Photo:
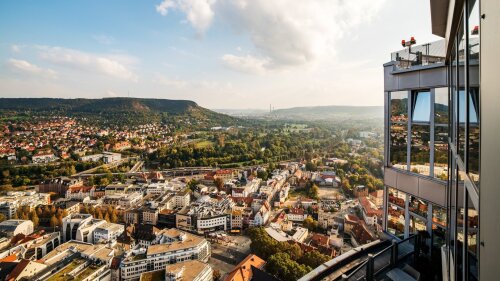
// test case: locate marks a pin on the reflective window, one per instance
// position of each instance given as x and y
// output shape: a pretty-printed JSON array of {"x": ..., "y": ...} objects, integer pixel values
[
  {"x": 398, "y": 152},
  {"x": 397, "y": 197},
  {"x": 421, "y": 107},
  {"x": 441, "y": 106},
  {"x": 420, "y": 150},
  {"x": 461, "y": 93},
  {"x": 473, "y": 67},
  {"x": 441, "y": 119},
  {"x": 417, "y": 224},
  {"x": 399, "y": 106},
  {"x": 396, "y": 220},
  {"x": 438, "y": 215},
  {"x": 441, "y": 152},
  {"x": 418, "y": 206}
]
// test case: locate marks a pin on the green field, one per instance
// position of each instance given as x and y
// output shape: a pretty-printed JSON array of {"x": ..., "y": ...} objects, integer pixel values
[{"x": 203, "y": 144}]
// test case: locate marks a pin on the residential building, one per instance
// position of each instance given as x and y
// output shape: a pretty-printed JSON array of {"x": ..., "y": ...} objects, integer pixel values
[
  {"x": 172, "y": 246},
  {"x": 34, "y": 246},
  {"x": 371, "y": 214},
  {"x": 11, "y": 228},
  {"x": 244, "y": 270},
  {"x": 79, "y": 192},
  {"x": 24, "y": 270},
  {"x": 58, "y": 185},
  {"x": 43, "y": 158},
  {"x": 108, "y": 232},
  {"x": 110, "y": 157},
  {"x": 206, "y": 215},
  {"x": 80, "y": 227},
  {"x": 296, "y": 214},
  {"x": 187, "y": 270},
  {"x": 182, "y": 199},
  {"x": 117, "y": 188}
]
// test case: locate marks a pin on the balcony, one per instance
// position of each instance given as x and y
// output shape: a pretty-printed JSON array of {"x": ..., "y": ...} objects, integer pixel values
[
  {"x": 419, "y": 56},
  {"x": 379, "y": 260}
]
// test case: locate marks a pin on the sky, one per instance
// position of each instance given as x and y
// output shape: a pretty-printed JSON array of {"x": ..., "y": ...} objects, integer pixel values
[{"x": 222, "y": 54}]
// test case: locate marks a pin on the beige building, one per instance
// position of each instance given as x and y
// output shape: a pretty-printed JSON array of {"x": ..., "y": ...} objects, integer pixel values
[{"x": 11, "y": 228}]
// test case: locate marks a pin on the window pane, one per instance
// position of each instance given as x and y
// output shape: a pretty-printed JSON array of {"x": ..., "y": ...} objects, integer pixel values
[
  {"x": 473, "y": 67},
  {"x": 420, "y": 152},
  {"x": 438, "y": 215},
  {"x": 418, "y": 206},
  {"x": 472, "y": 242},
  {"x": 461, "y": 94},
  {"x": 399, "y": 106},
  {"x": 397, "y": 197},
  {"x": 441, "y": 106},
  {"x": 417, "y": 224},
  {"x": 474, "y": 129},
  {"x": 421, "y": 107},
  {"x": 399, "y": 134},
  {"x": 441, "y": 152},
  {"x": 396, "y": 220}
]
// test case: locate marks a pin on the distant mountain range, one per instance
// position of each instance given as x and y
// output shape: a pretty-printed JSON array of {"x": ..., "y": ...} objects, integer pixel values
[
  {"x": 337, "y": 112},
  {"x": 115, "y": 110}
]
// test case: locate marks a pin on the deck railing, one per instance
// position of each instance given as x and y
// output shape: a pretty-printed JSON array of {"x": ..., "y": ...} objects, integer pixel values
[{"x": 385, "y": 259}]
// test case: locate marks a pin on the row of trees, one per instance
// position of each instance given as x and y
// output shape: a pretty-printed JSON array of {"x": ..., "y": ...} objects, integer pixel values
[
  {"x": 46, "y": 215},
  {"x": 284, "y": 260},
  {"x": 109, "y": 214},
  {"x": 244, "y": 146}
]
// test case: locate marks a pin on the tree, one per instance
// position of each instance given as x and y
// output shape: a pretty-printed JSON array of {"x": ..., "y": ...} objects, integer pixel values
[
  {"x": 282, "y": 266},
  {"x": 219, "y": 183},
  {"x": 314, "y": 191},
  {"x": 103, "y": 181},
  {"x": 2, "y": 217},
  {"x": 262, "y": 174},
  {"x": 54, "y": 221},
  {"x": 310, "y": 166},
  {"x": 114, "y": 216},
  {"x": 314, "y": 259},
  {"x": 106, "y": 217},
  {"x": 293, "y": 250},
  {"x": 310, "y": 223},
  {"x": 34, "y": 218}
]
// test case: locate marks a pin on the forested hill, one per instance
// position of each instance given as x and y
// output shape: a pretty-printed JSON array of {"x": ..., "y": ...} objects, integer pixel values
[
  {"x": 330, "y": 112},
  {"x": 119, "y": 111}
]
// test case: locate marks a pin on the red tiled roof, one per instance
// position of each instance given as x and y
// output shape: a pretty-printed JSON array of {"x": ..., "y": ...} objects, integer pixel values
[{"x": 243, "y": 271}]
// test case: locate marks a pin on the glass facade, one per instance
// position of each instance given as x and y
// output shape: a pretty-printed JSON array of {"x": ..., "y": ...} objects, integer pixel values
[
  {"x": 419, "y": 129},
  {"x": 464, "y": 179},
  {"x": 434, "y": 137}
]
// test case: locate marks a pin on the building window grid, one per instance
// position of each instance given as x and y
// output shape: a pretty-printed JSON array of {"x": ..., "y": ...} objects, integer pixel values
[
  {"x": 409, "y": 123},
  {"x": 466, "y": 264}
]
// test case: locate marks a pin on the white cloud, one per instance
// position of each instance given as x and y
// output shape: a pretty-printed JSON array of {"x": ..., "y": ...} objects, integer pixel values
[
  {"x": 22, "y": 66},
  {"x": 199, "y": 13},
  {"x": 164, "y": 6},
  {"x": 288, "y": 33},
  {"x": 247, "y": 64},
  {"x": 118, "y": 66}
]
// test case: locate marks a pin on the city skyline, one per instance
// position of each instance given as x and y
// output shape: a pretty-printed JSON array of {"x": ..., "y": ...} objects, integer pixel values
[{"x": 220, "y": 54}]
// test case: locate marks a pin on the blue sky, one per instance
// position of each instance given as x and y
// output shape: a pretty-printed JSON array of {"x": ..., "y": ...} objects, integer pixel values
[{"x": 219, "y": 53}]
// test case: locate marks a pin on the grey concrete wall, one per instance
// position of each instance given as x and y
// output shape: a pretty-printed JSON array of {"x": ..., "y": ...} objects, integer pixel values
[
  {"x": 427, "y": 188},
  {"x": 419, "y": 78}
]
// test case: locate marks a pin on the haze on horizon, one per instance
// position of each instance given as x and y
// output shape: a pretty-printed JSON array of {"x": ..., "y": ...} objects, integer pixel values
[{"x": 234, "y": 54}]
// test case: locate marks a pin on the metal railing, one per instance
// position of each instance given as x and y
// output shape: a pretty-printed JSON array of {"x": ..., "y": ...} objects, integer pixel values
[
  {"x": 385, "y": 259},
  {"x": 426, "y": 54}
]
